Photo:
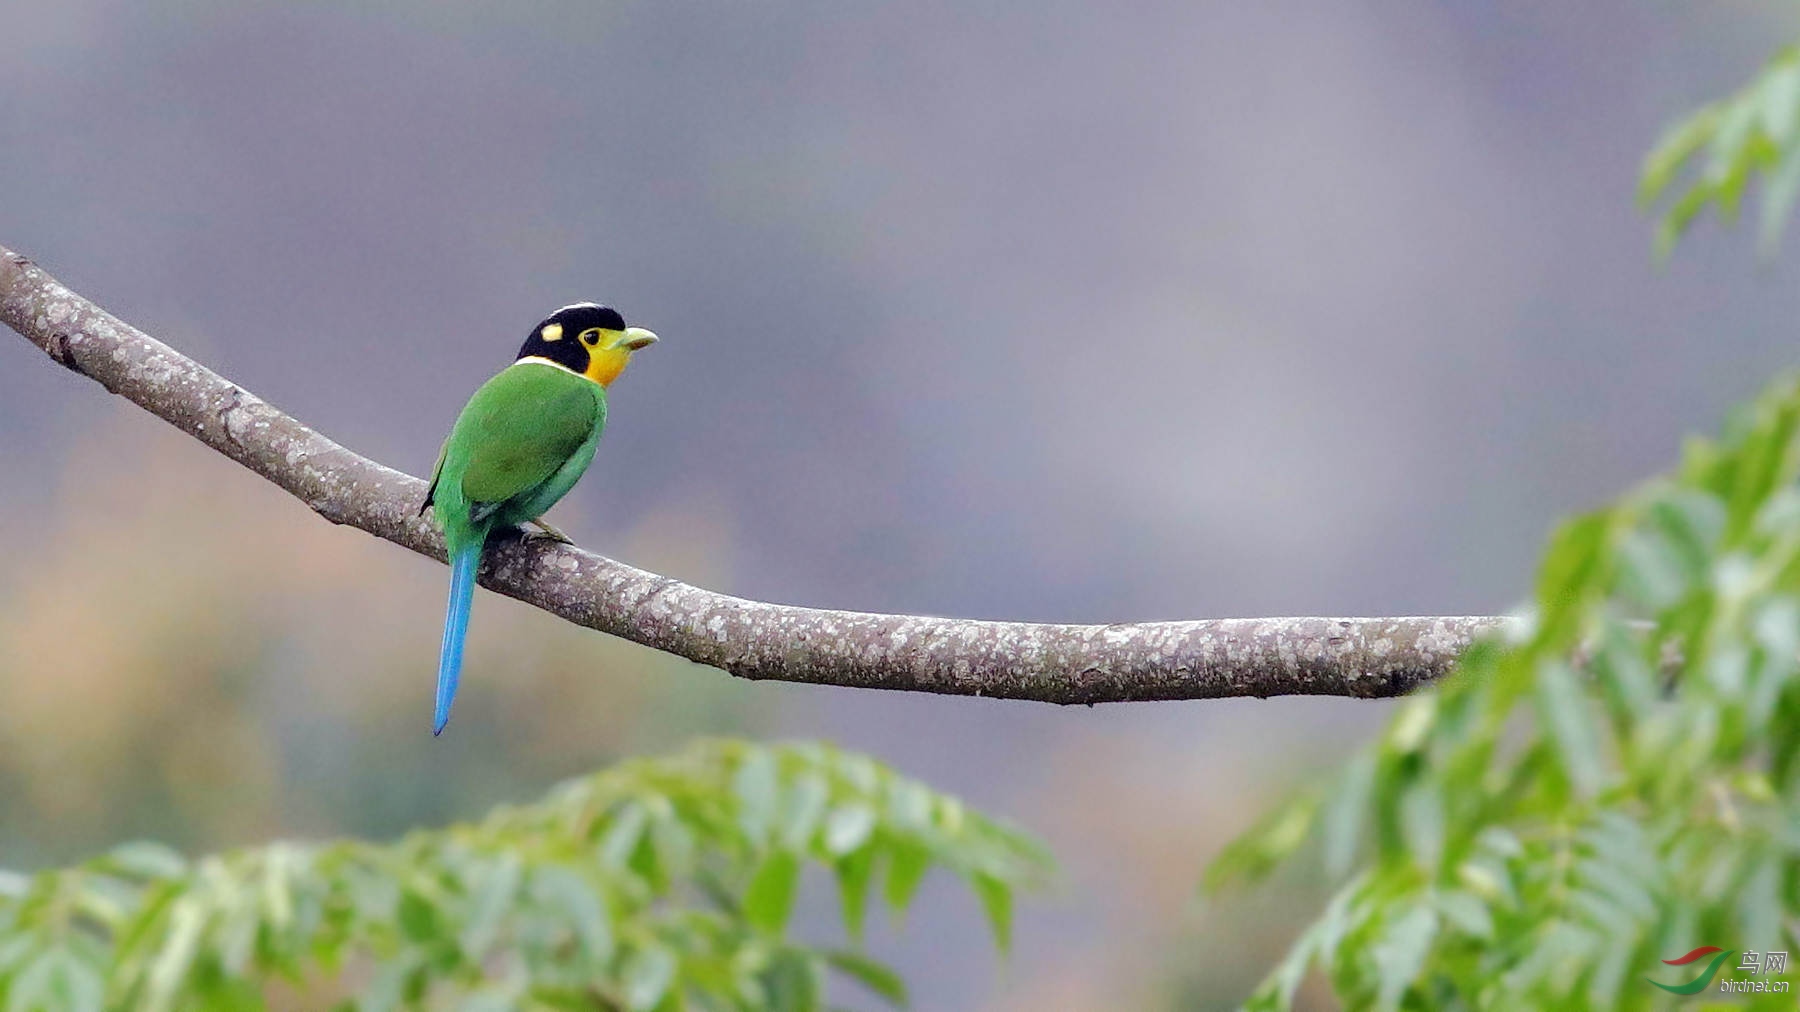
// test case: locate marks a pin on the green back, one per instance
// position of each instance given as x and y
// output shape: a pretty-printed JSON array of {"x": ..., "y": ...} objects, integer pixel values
[{"x": 518, "y": 430}]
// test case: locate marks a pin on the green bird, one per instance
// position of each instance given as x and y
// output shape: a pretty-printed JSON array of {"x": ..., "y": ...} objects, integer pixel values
[{"x": 519, "y": 445}]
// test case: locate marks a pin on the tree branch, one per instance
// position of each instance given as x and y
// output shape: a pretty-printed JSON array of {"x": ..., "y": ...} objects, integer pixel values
[{"x": 1369, "y": 657}]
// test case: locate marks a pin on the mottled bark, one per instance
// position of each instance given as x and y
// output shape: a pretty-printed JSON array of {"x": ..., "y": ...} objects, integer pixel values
[{"x": 1367, "y": 657}]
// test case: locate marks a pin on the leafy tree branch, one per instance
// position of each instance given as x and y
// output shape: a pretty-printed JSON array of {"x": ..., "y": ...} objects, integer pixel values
[
  {"x": 1711, "y": 156},
  {"x": 1528, "y": 835},
  {"x": 1524, "y": 835},
  {"x": 659, "y": 884},
  {"x": 1362, "y": 657}
]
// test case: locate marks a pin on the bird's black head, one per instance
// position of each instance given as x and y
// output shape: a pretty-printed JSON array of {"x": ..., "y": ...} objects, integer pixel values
[{"x": 588, "y": 339}]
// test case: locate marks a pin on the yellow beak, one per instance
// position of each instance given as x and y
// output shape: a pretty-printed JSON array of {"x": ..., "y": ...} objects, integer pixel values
[{"x": 637, "y": 339}]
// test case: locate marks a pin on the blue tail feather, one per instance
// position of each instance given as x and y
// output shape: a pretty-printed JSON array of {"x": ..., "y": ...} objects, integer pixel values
[{"x": 463, "y": 564}]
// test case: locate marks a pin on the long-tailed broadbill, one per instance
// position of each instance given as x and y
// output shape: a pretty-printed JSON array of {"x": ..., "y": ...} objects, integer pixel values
[{"x": 520, "y": 444}]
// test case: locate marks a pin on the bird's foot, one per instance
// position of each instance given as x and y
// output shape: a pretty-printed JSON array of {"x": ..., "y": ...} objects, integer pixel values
[{"x": 545, "y": 532}]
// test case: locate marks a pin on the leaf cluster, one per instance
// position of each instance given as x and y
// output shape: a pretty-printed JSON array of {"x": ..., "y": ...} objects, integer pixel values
[
  {"x": 1616, "y": 784},
  {"x": 1709, "y": 158},
  {"x": 659, "y": 884}
]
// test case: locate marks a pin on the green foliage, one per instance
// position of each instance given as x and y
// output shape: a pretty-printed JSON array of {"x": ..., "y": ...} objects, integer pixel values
[
  {"x": 1617, "y": 784},
  {"x": 1619, "y": 781},
  {"x": 659, "y": 884},
  {"x": 1709, "y": 158}
]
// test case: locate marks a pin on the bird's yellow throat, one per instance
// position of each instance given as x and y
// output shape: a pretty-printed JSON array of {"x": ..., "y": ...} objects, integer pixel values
[{"x": 605, "y": 364}]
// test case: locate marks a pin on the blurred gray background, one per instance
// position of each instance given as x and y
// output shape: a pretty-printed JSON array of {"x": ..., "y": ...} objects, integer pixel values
[{"x": 1063, "y": 312}]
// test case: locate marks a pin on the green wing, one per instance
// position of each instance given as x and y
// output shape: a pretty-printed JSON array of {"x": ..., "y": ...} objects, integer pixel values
[
  {"x": 520, "y": 428},
  {"x": 437, "y": 471}
]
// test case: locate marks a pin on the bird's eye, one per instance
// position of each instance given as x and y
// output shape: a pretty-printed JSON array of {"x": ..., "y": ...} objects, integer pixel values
[{"x": 590, "y": 337}]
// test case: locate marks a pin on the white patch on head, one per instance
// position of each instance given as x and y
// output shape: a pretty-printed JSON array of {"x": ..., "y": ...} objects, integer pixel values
[
  {"x": 537, "y": 360},
  {"x": 577, "y": 305},
  {"x": 551, "y": 332}
]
